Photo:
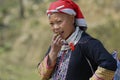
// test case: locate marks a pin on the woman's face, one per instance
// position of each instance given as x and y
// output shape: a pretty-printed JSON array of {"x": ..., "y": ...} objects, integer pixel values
[{"x": 62, "y": 24}]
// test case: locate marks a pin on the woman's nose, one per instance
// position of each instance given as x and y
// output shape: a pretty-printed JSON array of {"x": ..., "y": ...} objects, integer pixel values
[{"x": 56, "y": 26}]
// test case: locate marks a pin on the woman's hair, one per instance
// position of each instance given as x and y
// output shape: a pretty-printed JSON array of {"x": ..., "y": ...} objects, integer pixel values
[{"x": 83, "y": 28}]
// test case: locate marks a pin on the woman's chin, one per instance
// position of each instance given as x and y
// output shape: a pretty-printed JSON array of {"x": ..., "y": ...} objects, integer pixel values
[{"x": 65, "y": 37}]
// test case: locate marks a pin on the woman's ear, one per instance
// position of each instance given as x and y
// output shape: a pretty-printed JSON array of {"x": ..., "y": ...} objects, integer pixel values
[{"x": 72, "y": 19}]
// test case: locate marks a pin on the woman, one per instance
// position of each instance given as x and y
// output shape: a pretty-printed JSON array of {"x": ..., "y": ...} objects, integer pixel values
[{"x": 73, "y": 54}]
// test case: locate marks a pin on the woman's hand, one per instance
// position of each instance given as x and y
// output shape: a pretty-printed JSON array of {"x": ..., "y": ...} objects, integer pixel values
[{"x": 56, "y": 45}]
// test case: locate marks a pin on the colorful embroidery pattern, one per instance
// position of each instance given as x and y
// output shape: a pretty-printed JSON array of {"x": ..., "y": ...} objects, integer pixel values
[{"x": 62, "y": 65}]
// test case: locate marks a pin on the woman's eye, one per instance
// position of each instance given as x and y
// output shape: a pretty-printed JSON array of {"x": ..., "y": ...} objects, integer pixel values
[
  {"x": 51, "y": 24},
  {"x": 59, "y": 22}
]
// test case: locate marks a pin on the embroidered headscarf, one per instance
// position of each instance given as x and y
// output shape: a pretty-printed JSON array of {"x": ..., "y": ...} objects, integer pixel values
[{"x": 68, "y": 7}]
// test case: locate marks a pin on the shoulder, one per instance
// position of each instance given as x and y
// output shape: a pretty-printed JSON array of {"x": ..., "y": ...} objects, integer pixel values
[
  {"x": 89, "y": 42},
  {"x": 86, "y": 39}
]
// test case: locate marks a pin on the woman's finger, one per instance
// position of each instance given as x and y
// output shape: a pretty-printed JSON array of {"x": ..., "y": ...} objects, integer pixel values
[
  {"x": 54, "y": 36},
  {"x": 59, "y": 41},
  {"x": 57, "y": 38}
]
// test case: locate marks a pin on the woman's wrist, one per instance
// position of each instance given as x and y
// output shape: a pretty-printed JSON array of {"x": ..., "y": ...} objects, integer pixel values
[{"x": 52, "y": 58}]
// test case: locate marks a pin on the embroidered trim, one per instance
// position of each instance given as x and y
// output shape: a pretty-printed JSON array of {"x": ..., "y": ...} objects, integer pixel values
[
  {"x": 44, "y": 69},
  {"x": 105, "y": 74}
]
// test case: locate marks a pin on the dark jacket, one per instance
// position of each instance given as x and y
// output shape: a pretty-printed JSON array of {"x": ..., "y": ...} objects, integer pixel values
[{"x": 78, "y": 68}]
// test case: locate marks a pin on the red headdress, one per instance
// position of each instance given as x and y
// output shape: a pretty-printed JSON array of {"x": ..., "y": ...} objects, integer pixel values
[{"x": 68, "y": 7}]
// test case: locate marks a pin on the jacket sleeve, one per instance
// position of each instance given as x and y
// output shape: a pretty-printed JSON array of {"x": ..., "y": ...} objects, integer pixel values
[
  {"x": 44, "y": 68},
  {"x": 106, "y": 63}
]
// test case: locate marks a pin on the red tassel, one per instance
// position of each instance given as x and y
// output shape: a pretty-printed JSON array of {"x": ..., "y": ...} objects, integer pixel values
[{"x": 72, "y": 47}]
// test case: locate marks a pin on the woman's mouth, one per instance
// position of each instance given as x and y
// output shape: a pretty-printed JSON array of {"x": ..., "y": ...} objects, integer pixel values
[{"x": 61, "y": 33}]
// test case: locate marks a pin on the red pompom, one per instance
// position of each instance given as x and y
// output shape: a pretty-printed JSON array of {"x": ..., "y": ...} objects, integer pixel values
[{"x": 72, "y": 47}]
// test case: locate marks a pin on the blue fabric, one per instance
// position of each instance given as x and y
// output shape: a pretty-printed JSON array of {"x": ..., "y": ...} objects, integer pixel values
[{"x": 117, "y": 72}]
